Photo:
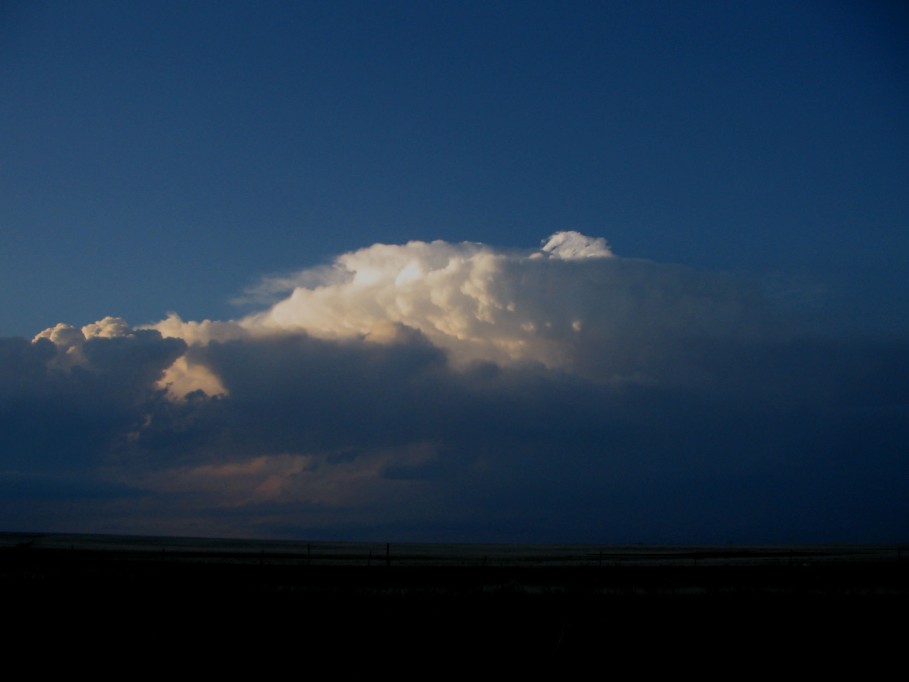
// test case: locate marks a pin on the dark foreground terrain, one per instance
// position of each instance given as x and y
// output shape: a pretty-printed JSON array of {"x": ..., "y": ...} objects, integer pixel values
[{"x": 228, "y": 605}]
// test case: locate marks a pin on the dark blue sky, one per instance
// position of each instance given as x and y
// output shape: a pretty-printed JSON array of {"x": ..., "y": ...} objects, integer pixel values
[
  {"x": 436, "y": 340},
  {"x": 163, "y": 156}
]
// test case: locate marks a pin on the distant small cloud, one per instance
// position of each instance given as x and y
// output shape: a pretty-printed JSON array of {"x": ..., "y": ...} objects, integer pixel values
[{"x": 572, "y": 245}]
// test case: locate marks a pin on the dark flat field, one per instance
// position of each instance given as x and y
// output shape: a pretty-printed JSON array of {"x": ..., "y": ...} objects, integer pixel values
[{"x": 533, "y": 602}]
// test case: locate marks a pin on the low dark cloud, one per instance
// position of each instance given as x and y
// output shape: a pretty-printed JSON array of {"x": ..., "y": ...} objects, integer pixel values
[
  {"x": 63, "y": 417},
  {"x": 800, "y": 442}
]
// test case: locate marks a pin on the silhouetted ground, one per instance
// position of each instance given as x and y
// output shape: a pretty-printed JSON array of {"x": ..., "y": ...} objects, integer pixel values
[{"x": 249, "y": 605}]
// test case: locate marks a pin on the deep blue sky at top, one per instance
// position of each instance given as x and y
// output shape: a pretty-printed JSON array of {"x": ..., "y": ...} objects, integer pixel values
[{"x": 163, "y": 155}]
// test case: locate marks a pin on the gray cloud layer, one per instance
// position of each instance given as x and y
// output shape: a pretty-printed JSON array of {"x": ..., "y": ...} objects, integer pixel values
[{"x": 527, "y": 397}]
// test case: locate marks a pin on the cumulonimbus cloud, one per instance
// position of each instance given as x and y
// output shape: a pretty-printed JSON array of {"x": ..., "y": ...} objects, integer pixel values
[
  {"x": 570, "y": 305},
  {"x": 467, "y": 298},
  {"x": 563, "y": 388},
  {"x": 556, "y": 305}
]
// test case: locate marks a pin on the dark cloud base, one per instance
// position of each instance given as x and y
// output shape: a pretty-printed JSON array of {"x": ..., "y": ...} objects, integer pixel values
[{"x": 790, "y": 441}]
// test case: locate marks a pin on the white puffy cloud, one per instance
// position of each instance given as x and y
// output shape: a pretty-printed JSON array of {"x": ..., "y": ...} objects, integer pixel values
[
  {"x": 108, "y": 328},
  {"x": 62, "y": 335},
  {"x": 70, "y": 340},
  {"x": 195, "y": 333},
  {"x": 557, "y": 305}
]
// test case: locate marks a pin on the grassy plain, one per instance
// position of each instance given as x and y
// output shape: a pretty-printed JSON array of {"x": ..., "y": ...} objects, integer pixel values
[{"x": 265, "y": 601}]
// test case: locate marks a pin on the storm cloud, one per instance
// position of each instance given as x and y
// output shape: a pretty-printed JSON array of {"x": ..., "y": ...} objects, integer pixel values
[{"x": 440, "y": 391}]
